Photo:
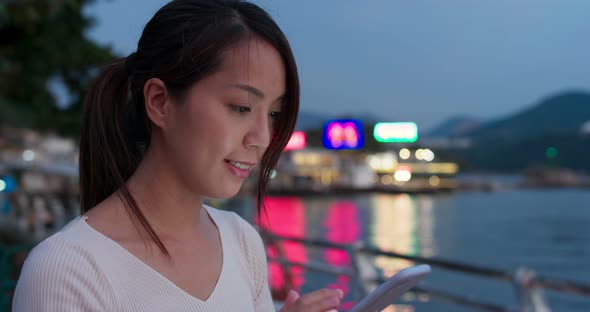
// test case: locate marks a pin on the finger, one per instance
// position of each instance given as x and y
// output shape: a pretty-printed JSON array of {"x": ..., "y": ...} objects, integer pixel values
[
  {"x": 321, "y": 300},
  {"x": 289, "y": 304},
  {"x": 291, "y": 297},
  {"x": 329, "y": 304},
  {"x": 324, "y": 293}
]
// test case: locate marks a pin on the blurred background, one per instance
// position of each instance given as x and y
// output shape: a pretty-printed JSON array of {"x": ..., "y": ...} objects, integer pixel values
[{"x": 453, "y": 133}]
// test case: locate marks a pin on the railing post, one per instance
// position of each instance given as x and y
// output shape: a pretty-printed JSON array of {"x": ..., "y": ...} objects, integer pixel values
[
  {"x": 359, "y": 288},
  {"x": 530, "y": 297}
]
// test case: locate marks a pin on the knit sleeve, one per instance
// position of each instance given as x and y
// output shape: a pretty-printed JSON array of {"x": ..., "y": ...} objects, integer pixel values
[
  {"x": 255, "y": 254},
  {"x": 60, "y": 276}
]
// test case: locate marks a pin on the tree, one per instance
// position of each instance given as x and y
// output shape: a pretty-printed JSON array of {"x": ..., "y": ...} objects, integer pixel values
[{"x": 44, "y": 41}]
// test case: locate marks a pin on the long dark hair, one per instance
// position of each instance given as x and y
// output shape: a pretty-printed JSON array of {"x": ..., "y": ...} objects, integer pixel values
[{"x": 182, "y": 44}]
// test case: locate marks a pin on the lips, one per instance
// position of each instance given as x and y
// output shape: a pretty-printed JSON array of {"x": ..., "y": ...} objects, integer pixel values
[
  {"x": 240, "y": 169},
  {"x": 241, "y": 164}
]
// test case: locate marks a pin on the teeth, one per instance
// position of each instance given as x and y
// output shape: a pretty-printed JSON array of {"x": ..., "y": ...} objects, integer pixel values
[{"x": 239, "y": 165}]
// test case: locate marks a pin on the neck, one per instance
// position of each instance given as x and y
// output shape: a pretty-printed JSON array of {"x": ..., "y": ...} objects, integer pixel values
[{"x": 173, "y": 210}]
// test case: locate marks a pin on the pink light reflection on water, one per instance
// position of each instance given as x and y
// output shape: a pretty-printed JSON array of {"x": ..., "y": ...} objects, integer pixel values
[
  {"x": 342, "y": 227},
  {"x": 286, "y": 217}
]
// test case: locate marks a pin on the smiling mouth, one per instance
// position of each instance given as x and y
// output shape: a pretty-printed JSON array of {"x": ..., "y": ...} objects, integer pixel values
[{"x": 240, "y": 165}]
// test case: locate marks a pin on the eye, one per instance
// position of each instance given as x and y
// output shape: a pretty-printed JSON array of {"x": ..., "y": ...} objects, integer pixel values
[{"x": 240, "y": 109}]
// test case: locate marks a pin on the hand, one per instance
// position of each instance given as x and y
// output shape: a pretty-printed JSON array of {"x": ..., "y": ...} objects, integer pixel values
[{"x": 323, "y": 300}]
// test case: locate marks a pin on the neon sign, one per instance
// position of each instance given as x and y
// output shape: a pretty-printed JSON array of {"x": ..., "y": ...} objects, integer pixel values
[
  {"x": 343, "y": 134},
  {"x": 395, "y": 132}
]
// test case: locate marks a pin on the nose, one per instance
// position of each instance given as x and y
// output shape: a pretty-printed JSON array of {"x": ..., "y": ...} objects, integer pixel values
[{"x": 258, "y": 135}]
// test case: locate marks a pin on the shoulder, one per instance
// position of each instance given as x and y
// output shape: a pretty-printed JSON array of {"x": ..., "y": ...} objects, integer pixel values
[
  {"x": 63, "y": 249},
  {"x": 245, "y": 232},
  {"x": 58, "y": 272}
]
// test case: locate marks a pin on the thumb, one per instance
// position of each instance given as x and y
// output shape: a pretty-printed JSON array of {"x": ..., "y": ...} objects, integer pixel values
[{"x": 291, "y": 297}]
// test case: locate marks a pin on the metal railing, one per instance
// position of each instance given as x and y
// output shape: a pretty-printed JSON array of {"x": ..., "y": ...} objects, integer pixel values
[{"x": 528, "y": 285}]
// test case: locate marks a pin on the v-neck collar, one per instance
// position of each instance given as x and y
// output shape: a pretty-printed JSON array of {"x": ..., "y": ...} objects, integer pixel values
[{"x": 123, "y": 250}]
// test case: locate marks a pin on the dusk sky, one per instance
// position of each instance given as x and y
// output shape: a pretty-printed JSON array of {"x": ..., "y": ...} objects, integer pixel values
[{"x": 421, "y": 61}]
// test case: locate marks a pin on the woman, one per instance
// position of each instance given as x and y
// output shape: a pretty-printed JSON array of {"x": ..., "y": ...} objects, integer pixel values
[{"x": 211, "y": 93}]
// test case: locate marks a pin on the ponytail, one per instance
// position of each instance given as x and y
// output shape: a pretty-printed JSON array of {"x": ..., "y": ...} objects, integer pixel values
[{"x": 114, "y": 136}]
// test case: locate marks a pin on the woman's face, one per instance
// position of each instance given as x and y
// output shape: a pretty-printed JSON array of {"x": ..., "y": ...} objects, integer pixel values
[{"x": 223, "y": 125}]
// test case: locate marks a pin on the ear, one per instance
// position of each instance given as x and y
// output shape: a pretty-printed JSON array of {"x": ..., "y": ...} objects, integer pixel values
[{"x": 157, "y": 102}]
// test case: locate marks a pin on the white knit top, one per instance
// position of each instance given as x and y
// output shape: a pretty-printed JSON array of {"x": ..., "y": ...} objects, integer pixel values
[{"x": 80, "y": 269}]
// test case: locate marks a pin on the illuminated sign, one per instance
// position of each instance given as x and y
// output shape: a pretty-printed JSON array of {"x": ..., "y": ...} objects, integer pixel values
[
  {"x": 389, "y": 132},
  {"x": 343, "y": 134},
  {"x": 297, "y": 141}
]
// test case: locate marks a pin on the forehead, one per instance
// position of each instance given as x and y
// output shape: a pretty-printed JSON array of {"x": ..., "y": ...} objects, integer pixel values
[{"x": 254, "y": 62}]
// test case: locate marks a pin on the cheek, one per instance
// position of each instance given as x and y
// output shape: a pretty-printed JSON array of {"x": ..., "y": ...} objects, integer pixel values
[
  {"x": 186, "y": 137},
  {"x": 207, "y": 133},
  {"x": 211, "y": 137}
]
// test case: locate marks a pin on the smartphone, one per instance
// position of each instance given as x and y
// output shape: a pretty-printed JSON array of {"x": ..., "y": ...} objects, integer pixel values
[{"x": 392, "y": 288}]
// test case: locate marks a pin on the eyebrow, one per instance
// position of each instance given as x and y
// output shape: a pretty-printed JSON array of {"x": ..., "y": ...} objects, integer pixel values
[{"x": 250, "y": 89}]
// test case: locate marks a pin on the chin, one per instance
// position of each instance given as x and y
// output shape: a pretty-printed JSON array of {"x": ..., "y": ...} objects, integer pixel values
[{"x": 225, "y": 193}]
